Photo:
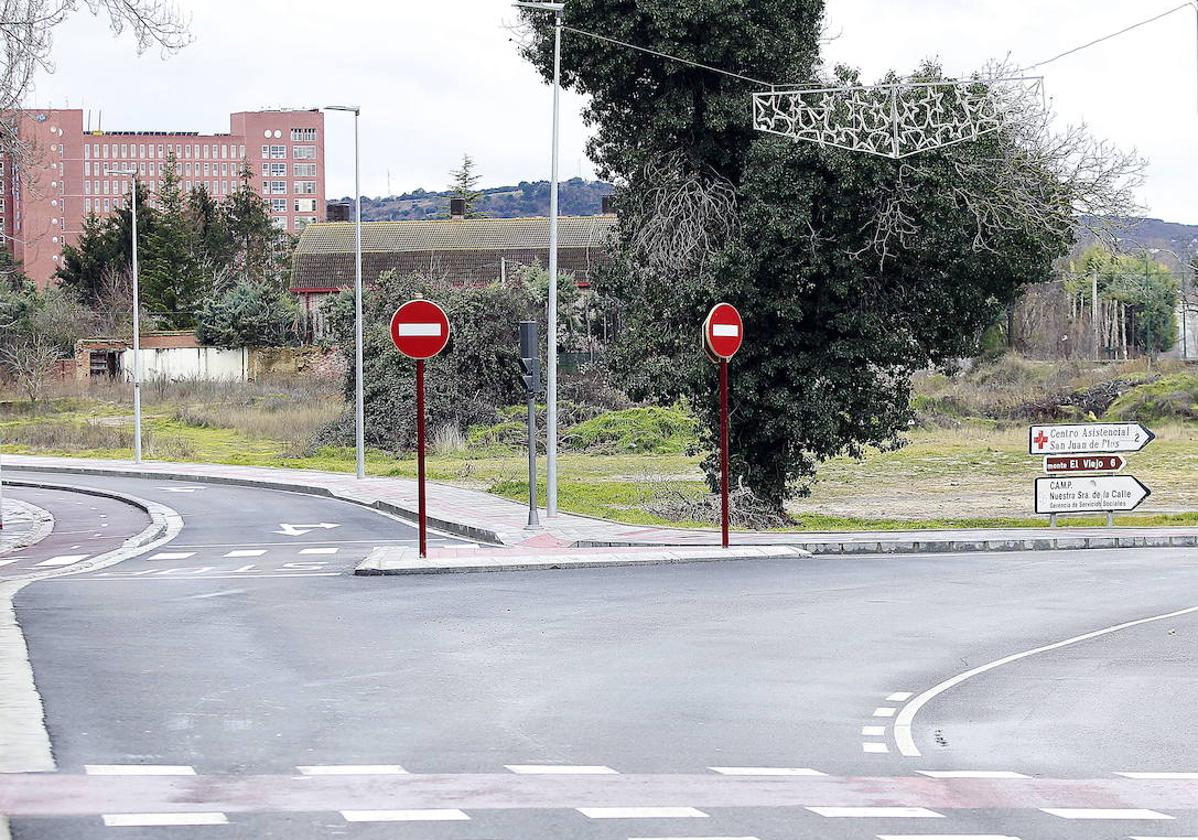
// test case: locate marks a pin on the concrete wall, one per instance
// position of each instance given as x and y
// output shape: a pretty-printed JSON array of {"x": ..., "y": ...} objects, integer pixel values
[
  {"x": 1187, "y": 334},
  {"x": 175, "y": 363}
]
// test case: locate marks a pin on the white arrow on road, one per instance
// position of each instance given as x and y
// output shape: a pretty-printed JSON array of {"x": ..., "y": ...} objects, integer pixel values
[{"x": 289, "y": 530}]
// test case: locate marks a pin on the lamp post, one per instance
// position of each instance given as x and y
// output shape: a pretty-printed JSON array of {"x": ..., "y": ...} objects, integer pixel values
[
  {"x": 359, "y": 403},
  {"x": 136, "y": 322},
  {"x": 551, "y": 377}
]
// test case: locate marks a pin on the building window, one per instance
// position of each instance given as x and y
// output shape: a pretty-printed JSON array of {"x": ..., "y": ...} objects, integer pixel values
[
  {"x": 303, "y": 152},
  {"x": 187, "y": 185},
  {"x": 187, "y": 151},
  {"x": 141, "y": 167},
  {"x": 87, "y": 205},
  {"x": 278, "y": 187},
  {"x": 141, "y": 150},
  {"x": 303, "y": 135},
  {"x": 178, "y": 150},
  {"x": 105, "y": 151},
  {"x": 106, "y": 185},
  {"x": 87, "y": 151},
  {"x": 305, "y": 170},
  {"x": 278, "y": 152},
  {"x": 124, "y": 150},
  {"x": 265, "y": 152},
  {"x": 87, "y": 168},
  {"x": 278, "y": 205},
  {"x": 278, "y": 170},
  {"x": 305, "y": 205},
  {"x": 305, "y": 188},
  {"x": 279, "y": 222},
  {"x": 107, "y": 204},
  {"x": 302, "y": 222},
  {"x": 241, "y": 154},
  {"x": 206, "y": 172}
]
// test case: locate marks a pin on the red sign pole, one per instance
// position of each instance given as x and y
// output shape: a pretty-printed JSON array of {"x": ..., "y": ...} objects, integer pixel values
[
  {"x": 724, "y": 451},
  {"x": 420, "y": 453}
]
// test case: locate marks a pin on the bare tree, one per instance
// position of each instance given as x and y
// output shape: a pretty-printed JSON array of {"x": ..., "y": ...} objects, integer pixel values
[
  {"x": 30, "y": 363},
  {"x": 27, "y": 42}
]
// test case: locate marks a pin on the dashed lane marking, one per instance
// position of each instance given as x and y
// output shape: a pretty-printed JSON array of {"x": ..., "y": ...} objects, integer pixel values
[
  {"x": 64, "y": 560},
  {"x": 141, "y": 820},
  {"x": 900, "y": 696},
  {"x": 409, "y": 815},
  {"x": 138, "y": 770},
  {"x": 318, "y": 550},
  {"x": 1106, "y": 814},
  {"x": 693, "y": 838},
  {"x": 946, "y": 837},
  {"x": 352, "y": 770},
  {"x": 766, "y": 771},
  {"x": 10, "y": 562},
  {"x": 1162, "y": 775},
  {"x": 560, "y": 769},
  {"x": 246, "y": 552},
  {"x": 221, "y": 594},
  {"x": 885, "y": 811},
  {"x": 884, "y": 712},
  {"x": 642, "y": 813},
  {"x": 873, "y": 747},
  {"x": 171, "y": 555},
  {"x": 971, "y": 774},
  {"x": 873, "y": 731}
]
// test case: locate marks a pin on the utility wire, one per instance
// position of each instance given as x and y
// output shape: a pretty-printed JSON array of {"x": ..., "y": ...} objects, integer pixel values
[{"x": 1096, "y": 41}]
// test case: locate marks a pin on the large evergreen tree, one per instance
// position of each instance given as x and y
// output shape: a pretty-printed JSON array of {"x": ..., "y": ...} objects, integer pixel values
[{"x": 171, "y": 282}]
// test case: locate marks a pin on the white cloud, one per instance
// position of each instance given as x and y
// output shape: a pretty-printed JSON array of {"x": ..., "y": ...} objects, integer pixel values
[{"x": 439, "y": 78}]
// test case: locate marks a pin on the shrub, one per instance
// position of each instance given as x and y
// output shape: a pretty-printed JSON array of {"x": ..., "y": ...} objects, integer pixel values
[
  {"x": 1172, "y": 397},
  {"x": 651, "y": 429}
]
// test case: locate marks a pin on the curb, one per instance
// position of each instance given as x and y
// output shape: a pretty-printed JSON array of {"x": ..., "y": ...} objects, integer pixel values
[
  {"x": 406, "y": 561},
  {"x": 457, "y": 529},
  {"x": 43, "y": 525}
]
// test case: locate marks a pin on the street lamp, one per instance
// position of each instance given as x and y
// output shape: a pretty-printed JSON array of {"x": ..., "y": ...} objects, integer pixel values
[
  {"x": 136, "y": 324},
  {"x": 359, "y": 403},
  {"x": 551, "y": 379}
]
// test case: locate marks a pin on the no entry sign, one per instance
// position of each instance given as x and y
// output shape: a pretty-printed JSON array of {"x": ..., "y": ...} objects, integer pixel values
[
  {"x": 723, "y": 331},
  {"x": 420, "y": 329}
]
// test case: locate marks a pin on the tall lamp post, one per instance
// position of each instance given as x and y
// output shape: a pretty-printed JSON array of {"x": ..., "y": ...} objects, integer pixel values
[
  {"x": 551, "y": 378},
  {"x": 359, "y": 403},
  {"x": 136, "y": 322}
]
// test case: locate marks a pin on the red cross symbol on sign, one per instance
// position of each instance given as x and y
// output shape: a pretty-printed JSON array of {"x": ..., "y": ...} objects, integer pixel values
[{"x": 1040, "y": 439}]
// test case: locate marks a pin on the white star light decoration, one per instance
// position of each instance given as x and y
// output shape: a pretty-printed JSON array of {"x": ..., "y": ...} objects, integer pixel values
[{"x": 892, "y": 120}]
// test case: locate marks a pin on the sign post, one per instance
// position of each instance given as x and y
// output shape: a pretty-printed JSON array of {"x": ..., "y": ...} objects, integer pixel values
[
  {"x": 723, "y": 332},
  {"x": 530, "y": 366},
  {"x": 420, "y": 330}
]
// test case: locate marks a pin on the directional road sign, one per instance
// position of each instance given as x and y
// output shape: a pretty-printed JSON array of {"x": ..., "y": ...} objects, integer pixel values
[
  {"x": 723, "y": 331},
  {"x": 1056, "y": 464},
  {"x": 1089, "y": 494},
  {"x": 420, "y": 329},
  {"x": 1087, "y": 438}
]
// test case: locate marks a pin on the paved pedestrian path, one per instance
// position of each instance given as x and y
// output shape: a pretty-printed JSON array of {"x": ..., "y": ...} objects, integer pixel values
[{"x": 501, "y": 522}]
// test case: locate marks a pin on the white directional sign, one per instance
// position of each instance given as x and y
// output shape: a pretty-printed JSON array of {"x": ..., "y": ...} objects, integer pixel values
[
  {"x": 1087, "y": 438},
  {"x": 1089, "y": 494},
  {"x": 287, "y": 529}
]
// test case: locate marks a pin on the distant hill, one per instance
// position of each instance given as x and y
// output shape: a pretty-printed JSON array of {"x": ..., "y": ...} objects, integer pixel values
[
  {"x": 1139, "y": 234},
  {"x": 576, "y": 197}
]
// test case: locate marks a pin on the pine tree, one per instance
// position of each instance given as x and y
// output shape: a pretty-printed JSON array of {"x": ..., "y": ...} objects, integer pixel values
[
  {"x": 250, "y": 229},
  {"x": 465, "y": 187},
  {"x": 171, "y": 282}
]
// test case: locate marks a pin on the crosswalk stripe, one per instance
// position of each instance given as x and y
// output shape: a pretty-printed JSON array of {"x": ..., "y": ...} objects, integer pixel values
[
  {"x": 1161, "y": 775},
  {"x": 946, "y": 837},
  {"x": 318, "y": 550},
  {"x": 193, "y": 818},
  {"x": 560, "y": 769},
  {"x": 766, "y": 771},
  {"x": 138, "y": 770},
  {"x": 411, "y": 815},
  {"x": 246, "y": 552},
  {"x": 172, "y": 555},
  {"x": 352, "y": 770},
  {"x": 64, "y": 560},
  {"x": 971, "y": 774},
  {"x": 1106, "y": 814},
  {"x": 898, "y": 812},
  {"x": 872, "y": 747},
  {"x": 640, "y": 813}
]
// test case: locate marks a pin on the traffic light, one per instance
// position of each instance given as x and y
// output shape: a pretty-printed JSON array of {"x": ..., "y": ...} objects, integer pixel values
[{"x": 530, "y": 358}]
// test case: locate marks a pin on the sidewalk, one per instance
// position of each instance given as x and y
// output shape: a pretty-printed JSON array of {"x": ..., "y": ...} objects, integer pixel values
[{"x": 489, "y": 519}]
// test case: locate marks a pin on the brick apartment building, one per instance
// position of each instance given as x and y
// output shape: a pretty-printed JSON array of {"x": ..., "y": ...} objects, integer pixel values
[{"x": 72, "y": 171}]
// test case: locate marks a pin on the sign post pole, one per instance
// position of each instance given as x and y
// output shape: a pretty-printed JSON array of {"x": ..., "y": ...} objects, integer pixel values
[
  {"x": 724, "y": 451},
  {"x": 420, "y": 330},
  {"x": 420, "y": 457}
]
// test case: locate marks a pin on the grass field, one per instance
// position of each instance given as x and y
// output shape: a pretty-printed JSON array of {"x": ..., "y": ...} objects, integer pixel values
[{"x": 974, "y": 473}]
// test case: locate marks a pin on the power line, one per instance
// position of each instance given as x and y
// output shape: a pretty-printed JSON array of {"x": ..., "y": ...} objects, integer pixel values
[{"x": 1097, "y": 41}]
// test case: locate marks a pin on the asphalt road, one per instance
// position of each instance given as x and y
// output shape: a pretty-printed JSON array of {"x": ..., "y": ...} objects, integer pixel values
[{"x": 233, "y": 654}]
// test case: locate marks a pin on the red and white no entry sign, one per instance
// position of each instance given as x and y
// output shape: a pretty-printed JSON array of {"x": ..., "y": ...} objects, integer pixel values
[
  {"x": 723, "y": 331},
  {"x": 420, "y": 329}
]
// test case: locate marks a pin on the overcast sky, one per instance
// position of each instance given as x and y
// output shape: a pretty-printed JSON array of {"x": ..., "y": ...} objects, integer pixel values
[{"x": 439, "y": 78}]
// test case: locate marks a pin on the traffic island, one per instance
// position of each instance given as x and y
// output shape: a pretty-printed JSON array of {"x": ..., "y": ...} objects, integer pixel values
[{"x": 407, "y": 561}]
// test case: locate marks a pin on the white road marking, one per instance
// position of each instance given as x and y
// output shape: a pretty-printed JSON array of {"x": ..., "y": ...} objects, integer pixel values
[
  {"x": 884, "y": 711},
  {"x": 410, "y": 815},
  {"x": 352, "y": 770},
  {"x": 138, "y": 770},
  {"x": 172, "y": 555},
  {"x": 10, "y": 562},
  {"x": 64, "y": 560},
  {"x": 177, "y": 578},
  {"x": 640, "y": 813},
  {"x": 946, "y": 837},
  {"x": 900, "y": 696},
  {"x": 1106, "y": 814},
  {"x": 766, "y": 771},
  {"x": 906, "y": 717},
  {"x": 897, "y": 812},
  {"x": 1145, "y": 837},
  {"x": 246, "y": 552},
  {"x": 319, "y": 550},
  {"x": 180, "y": 489},
  {"x": 560, "y": 769},
  {"x": 873, "y": 747},
  {"x": 1186, "y": 775},
  {"x": 971, "y": 774},
  {"x": 693, "y": 838},
  {"x": 193, "y": 818},
  {"x": 289, "y": 530},
  {"x": 873, "y": 730},
  {"x": 220, "y": 594}
]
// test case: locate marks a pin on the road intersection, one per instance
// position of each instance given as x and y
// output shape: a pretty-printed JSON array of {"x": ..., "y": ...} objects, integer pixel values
[{"x": 241, "y": 682}]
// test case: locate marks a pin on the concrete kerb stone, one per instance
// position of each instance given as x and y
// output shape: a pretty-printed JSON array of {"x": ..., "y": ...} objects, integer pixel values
[
  {"x": 24, "y": 741},
  {"x": 43, "y": 524}
]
